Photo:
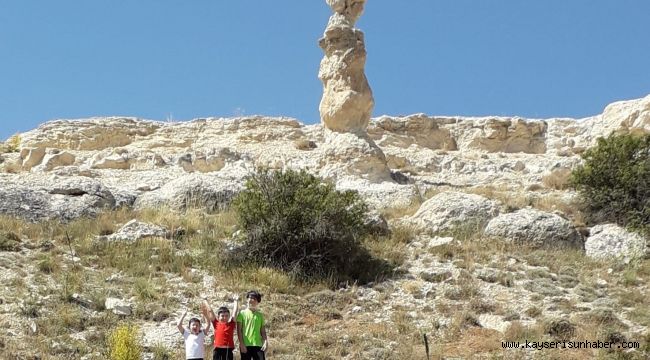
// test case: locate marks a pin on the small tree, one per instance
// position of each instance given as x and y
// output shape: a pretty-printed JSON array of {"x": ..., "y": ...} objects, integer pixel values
[
  {"x": 614, "y": 181},
  {"x": 295, "y": 222},
  {"x": 124, "y": 343}
]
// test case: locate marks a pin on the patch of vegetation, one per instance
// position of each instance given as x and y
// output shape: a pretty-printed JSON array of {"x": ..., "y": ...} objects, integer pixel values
[
  {"x": 561, "y": 329},
  {"x": 11, "y": 145},
  {"x": 9, "y": 241},
  {"x": 124, "y": 343},
  {"x": 47, "y": 264},
  {"x": 558, "y": 179},
  {"x": 519, "y": 332},
  {"x": 295, "y": 222},
  {"x": 614, "y": 181}
]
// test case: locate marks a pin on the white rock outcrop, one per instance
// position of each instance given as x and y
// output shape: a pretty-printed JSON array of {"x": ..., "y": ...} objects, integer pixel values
[
  {"x": 135, "y": 230},
  {"x": 630, "y": 116},
  {"x": 118, "y": 306},
  {"x": 347, "y": 102},
  {"x": 348, "y": 154},
  {"x": 91, "y": 134},
  {"x": 393, "y": 164},
  {"x": 63, "y": 198},
  {"x": 534, "y": 227},
  {"x": 609, "y": 241},
  {"x": 448, "y": 210},
  {"x": 54, "y": 159},
  {"x": 31, "y": 157},
  {"x": 192, "y": 190}
]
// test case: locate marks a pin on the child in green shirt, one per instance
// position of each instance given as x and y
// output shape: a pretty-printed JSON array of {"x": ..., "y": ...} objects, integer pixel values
[{"x": 251, "y": 329}]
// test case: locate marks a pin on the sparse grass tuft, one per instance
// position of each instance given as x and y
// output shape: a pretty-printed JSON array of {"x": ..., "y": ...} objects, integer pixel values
[
  {"x": 558, "y": 179},
  {"x": 47, "y": 264},
  {"x": 145, "y": 290},
  {"x": 402, "y": 211},
  {"x": 519, "y": 332}
]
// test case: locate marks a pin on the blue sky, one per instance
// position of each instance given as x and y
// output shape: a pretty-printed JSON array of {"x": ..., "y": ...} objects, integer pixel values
[{"x": 173, "y": 59}]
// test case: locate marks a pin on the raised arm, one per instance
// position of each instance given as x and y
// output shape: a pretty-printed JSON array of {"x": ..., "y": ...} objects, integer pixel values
[
  {"x": 207, "y": 311},
  {"x": 207, "y": 325},
  {"x": 235, "y": 308},
  {"x": 180, "y": 323}
]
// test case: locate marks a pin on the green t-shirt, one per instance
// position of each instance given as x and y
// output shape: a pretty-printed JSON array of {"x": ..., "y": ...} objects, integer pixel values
[{"x": 251, "y": 323}]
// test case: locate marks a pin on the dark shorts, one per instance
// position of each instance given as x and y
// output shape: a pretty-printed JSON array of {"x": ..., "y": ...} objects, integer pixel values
[
  {"x": 253, "y": 353},
  {"x": 222, "y": 354}
]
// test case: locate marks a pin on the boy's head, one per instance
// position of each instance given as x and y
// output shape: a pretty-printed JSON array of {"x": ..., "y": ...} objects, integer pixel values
[
  {"x": 253, "y": 298},
  {"x": 223, "y": 314},
  {"x": 195, "y": 325}
]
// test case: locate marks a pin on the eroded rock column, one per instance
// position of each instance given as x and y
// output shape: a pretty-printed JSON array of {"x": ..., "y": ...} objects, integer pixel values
[{"x": 347, "y": 101}]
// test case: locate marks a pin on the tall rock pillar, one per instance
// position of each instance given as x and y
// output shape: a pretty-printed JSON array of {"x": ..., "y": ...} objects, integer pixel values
[{"x": 347, "y": 100}]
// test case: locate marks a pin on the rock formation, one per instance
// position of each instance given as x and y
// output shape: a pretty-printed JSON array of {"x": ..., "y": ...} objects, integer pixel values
[
  {"x": 347, "y": 100},
  {"x": 490, "y": 177}
]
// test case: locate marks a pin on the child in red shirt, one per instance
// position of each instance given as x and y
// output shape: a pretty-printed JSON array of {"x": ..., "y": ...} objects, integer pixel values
[{"x": 224, "y": 329}]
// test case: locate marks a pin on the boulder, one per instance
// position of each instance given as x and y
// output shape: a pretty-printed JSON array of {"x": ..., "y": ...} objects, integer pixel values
[
  {"x": 193, "y": 190},
  {"x": 348, "y": 154},
  {"x": 630, "y": 116},
  {"x": 536, "y": 228},
  {"x": 76, "y": 197},
  {"x": 118, "y": 306},
  {"x": 31, "y": 157},
  {"x": 379, "y": 195},
  {"x": 449, "y": 210},
  {"x": 24, "y": 202},
  {"x": 58, "y": 198},
  {"x": 136, "y": 230},
  {"x": 55, "y": 158},
  {"x": 612, "y": 241}
]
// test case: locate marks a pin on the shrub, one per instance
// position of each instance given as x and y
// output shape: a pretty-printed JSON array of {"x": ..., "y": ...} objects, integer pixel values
[
  {"x": 614, "y": 181},
  {"x": 11, "y": 145},
  {"x": 124, "y": 343},
  {"x": 295, "y": 222},
  {"x": 9, "y": 241}
]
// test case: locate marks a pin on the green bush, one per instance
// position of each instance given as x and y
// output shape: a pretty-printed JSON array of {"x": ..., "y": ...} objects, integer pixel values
[
  {"x": 614, "y": 181},
  {"x": 124, "y": 343},
  {"x": 295, "y": 222}
]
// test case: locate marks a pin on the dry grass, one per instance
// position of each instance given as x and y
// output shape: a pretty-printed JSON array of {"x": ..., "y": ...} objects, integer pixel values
[
  {"x": 308, "y": 320},
  {"x": 557, "y": 179},
  {"x": 402, "y": 211},
  {"x": 391, "y": 248}
]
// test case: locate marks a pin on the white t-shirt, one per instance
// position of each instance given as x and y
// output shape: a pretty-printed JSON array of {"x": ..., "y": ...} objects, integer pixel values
[{"x": 194, "y": 347}]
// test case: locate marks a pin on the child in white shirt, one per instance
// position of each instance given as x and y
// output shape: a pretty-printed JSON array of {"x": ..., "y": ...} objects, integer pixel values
[{"x": 194, "y": 337}]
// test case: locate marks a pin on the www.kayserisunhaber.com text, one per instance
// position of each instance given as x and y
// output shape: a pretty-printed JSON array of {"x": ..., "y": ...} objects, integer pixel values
[{"x": 539, "y": 345}]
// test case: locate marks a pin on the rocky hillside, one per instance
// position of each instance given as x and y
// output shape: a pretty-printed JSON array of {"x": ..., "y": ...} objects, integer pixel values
[{"x": 113, "y": 219}]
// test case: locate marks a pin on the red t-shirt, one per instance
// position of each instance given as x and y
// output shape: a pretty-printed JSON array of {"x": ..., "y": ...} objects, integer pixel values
[{"x": 223, "y": 334}]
